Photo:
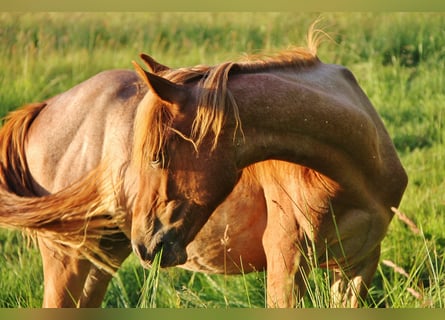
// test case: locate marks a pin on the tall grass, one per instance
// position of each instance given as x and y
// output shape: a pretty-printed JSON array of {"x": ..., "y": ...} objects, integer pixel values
[{"x": 398, "y": 58}]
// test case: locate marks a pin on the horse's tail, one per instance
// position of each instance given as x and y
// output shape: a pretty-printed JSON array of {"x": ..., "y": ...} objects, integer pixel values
[
  {"x": 71, "y": 216},
  {"x": 14, "y": 172},
  {"x": 77, "y": 216}
]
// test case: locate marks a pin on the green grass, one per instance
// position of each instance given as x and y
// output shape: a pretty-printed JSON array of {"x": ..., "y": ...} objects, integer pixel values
[{"x": 398, "y": 58}]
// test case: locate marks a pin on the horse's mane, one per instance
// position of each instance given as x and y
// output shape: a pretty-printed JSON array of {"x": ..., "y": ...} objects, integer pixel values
[{"x": 153, "y": 123}]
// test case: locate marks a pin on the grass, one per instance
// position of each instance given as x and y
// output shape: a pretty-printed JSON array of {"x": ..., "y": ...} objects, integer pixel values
[{"x": 398, "y": 58}]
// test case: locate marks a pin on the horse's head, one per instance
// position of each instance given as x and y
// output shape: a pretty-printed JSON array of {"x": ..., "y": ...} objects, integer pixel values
[{"x": 184, "y": 174}]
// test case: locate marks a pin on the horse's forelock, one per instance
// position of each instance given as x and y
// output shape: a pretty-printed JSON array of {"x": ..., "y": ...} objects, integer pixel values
[{"x": 150, "y": 132}]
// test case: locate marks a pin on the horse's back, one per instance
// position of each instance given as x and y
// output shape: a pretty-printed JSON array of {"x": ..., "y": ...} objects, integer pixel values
[{"x": 81, "y": 127}]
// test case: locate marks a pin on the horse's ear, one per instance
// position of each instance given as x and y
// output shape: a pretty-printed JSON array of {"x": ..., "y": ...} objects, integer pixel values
[
  {"x": 152, "y": 64},
  {"x": 163, "y": 88}
]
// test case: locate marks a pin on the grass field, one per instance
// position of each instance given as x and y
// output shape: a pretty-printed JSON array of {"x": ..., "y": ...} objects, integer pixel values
[{"x": 398, "y": 58}]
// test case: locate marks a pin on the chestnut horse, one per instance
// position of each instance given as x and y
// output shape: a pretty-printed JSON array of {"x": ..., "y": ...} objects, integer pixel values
[
  {"x": 175, "y": 159},
  {"x": 197, "y": 130}
]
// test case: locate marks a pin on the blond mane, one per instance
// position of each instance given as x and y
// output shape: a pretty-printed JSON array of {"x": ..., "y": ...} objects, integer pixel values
[{"x": 153, "y": 121}]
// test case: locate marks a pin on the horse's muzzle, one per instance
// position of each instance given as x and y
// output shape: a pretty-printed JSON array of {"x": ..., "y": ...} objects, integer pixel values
[{"x": 172, "y": 253}]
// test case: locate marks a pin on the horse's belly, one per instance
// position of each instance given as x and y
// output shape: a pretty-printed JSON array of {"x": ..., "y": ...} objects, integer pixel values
[
  {"x": 231, "y": 241},
  {"x": 240, "y": 254}
]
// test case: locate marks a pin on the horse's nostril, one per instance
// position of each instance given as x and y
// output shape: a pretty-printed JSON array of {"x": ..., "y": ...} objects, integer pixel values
[
  {"x": 145, "y": 254},
  {"x": 159, "y": 246},
  {"x": 142, "y": 251}
]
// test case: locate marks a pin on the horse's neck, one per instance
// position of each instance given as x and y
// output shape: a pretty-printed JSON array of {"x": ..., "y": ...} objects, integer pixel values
[
  {"x": 312, "y": 127},
  {"x": 328, "y": 159}
]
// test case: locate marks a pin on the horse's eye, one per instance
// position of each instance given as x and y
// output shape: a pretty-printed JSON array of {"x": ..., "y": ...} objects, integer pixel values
[{"x": 156, "y": 163}]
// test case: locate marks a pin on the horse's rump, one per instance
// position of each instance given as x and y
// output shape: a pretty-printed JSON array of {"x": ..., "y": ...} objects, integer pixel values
[{"x": 77, "y": 216}]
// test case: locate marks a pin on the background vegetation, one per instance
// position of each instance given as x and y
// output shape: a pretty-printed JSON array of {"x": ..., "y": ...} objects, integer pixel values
[{"x": 398, "y": 58}]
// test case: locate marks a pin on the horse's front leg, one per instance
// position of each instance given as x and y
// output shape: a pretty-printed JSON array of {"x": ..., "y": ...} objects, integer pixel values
[
  {"x": 285, "y": 265},
  {"x": 65, "y": 272},
  {"x": 356, "y": 253}
]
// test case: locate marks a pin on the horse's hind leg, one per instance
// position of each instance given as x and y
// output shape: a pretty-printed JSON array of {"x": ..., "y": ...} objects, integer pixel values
[
  {"x": 72, "y": 281},
  {"x": 98, "y": 279},
  {"x": 64, "y": 273},
  {"x": 350, "y": 286},
  {"x": 95, "y": 288}
]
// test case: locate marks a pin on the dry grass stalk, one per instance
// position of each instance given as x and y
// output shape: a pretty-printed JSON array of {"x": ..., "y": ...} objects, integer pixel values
[{"x": 404, "y": 218}]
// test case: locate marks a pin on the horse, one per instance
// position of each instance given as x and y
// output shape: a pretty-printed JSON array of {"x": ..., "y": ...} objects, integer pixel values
[
  {"x": 264, "y": 164},
  {"x": 197, "y": 130}
]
